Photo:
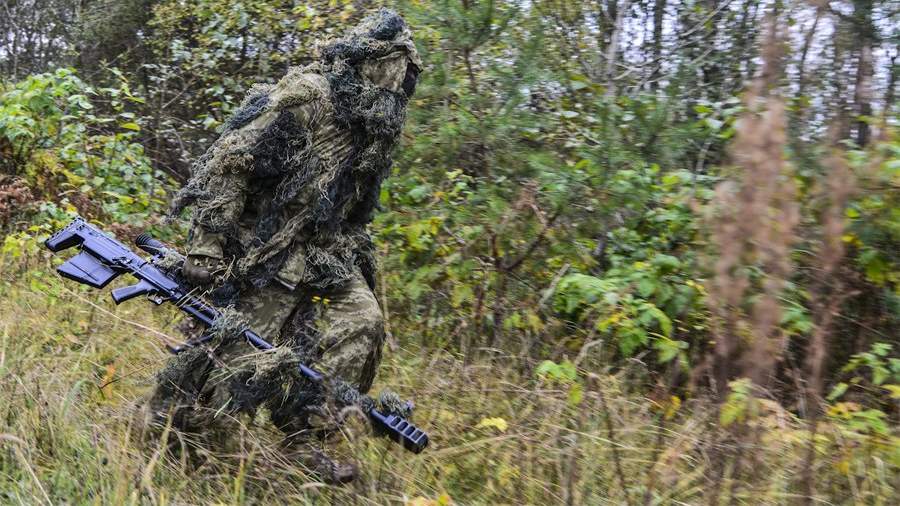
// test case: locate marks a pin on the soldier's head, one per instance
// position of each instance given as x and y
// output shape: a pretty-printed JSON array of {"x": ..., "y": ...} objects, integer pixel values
[{"x": 381, "y": 50}]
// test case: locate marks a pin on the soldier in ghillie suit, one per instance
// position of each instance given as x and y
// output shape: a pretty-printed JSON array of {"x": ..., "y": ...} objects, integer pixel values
[{"x": 281, "y": 202}]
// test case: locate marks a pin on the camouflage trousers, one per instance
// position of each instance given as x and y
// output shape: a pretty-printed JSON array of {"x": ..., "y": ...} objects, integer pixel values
[{"x": 210, "y": 387}]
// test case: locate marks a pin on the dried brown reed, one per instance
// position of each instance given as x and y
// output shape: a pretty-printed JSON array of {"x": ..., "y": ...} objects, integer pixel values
[
  {"x": 827, "y": 297},
  {"x": 753, "y": 233}
]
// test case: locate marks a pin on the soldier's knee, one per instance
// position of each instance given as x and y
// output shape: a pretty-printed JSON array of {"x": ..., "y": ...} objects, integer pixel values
[
  {"x": 361, "y": 312},
  {"x": 368, "y": 310}
]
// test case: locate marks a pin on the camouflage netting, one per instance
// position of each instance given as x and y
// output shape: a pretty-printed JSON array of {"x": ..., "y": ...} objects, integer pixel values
[
  {"x": 390, "y": 402},
  {"x": 272, "y": 167},
  {"x": 171, "y": 261},
  {"x": 264, "y": 377},
  {"x": 345, "y": 395},
  {"x": 254, "y": 104},
  {"x": 229, "y": 325},
  {"x": 297, "y": 171}
]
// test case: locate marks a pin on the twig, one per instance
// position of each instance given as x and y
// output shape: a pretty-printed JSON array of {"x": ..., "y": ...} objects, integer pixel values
[
  {"x": 611, "y": 435},
  {"x": 531, "y": 247},
  {"x": 553, "y": 284},
  {"x": 582, "y": 354},
  {"x": 122, "y": 376}
]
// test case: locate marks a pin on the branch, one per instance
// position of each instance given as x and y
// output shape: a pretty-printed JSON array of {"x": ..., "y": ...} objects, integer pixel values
[{"x": 532, "y": 246}]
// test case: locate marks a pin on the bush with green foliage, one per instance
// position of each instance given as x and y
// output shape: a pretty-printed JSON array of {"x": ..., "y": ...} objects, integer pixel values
[{"x": 75, "y": 158}]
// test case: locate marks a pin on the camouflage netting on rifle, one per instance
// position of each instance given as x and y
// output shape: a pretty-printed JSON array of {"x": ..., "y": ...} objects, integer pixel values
[
  {"x": 173, "y": 377},
  {"x": 271, "y": 379},
  {"x": 171, "y": 261},
  {"x": 345, "y": 395},
  {"x": 256, "y": 378},
  {"x": 391, "y": 403},
  {"x": 229, "y": 325}
]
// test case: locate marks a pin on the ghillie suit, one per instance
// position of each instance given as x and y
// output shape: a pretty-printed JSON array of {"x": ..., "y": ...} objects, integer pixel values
[{"x": 283, "y": 199}]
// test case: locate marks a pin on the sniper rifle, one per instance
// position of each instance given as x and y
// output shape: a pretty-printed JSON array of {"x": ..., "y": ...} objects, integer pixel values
[{"x": 103, "y": 259}]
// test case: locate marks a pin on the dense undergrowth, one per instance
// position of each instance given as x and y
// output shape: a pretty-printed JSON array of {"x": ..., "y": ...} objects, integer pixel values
[{"x": 74, "y": 367}]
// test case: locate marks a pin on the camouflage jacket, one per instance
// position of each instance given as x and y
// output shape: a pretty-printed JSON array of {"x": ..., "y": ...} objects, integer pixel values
[{"x": 266, "y": 192}]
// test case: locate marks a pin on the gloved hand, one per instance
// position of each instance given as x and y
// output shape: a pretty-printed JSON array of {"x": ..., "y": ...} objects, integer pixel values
[{"x": 201, "y": 270}]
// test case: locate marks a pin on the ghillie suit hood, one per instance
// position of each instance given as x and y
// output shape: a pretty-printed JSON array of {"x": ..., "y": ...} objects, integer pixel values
[{"x": 290, "y": 186}]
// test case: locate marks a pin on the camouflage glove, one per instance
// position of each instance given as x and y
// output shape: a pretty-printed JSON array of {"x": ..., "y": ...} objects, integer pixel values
[{"x": 201, "y": 270}]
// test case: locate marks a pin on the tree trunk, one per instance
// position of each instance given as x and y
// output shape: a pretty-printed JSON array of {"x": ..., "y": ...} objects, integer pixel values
[
  {"x": 804, "y": 52},
  {"x": 893, "y": 71},
  {"x": 710, "y": 66},
  {"x": 612, "y": 50},
  {"x": 659, "y": 11},
  {"x": 862, "y": 96}
]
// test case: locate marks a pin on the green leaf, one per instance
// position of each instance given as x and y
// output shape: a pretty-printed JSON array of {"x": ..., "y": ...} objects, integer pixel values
[
  {"x": 880, "y": 374},
  {"x": 545, "y": 367},
  {"x": 646, "y": 287},
  {"x": 493, "y": 422},
  {"x": 881, "y": 349},
  {"x": 131, "y": 126},
  {"x": 837, "y": 391},
  {"x": 666, "y": 263},
  {"x": 873, "y": 420},
  {"x": 419, "y": 193},
  {"x": 671, "y": 179},
  {"x": 894, "y": 390},
  {"x": 713, "y": 124},
  {"x": 668, "y": 349},
  {"x": 567, "y": 370},
  {"x": 564, "y": 372},
  {"x": 631, "y": 339},
  {"x": 651, "y": 312},
  {"x": 576, "y": 394},
  {"x": 730, "y": 413},
  {"x": 461, "y": 293},
  {"x": 895, "y": 365}
]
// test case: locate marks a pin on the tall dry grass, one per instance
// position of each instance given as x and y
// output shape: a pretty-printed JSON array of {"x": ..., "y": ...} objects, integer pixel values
[{"x": 72, "y": 367}]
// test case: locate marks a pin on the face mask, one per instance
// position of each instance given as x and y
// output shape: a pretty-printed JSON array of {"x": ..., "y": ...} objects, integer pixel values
[{"x": 386, "y": 72}]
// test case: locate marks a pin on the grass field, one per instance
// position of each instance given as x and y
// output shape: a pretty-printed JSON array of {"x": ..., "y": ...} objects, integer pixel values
[{"x": 73, "y": 367}]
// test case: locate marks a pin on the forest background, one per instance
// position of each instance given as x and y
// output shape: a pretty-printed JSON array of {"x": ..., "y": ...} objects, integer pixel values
[{"x": 632, "y": 251}]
